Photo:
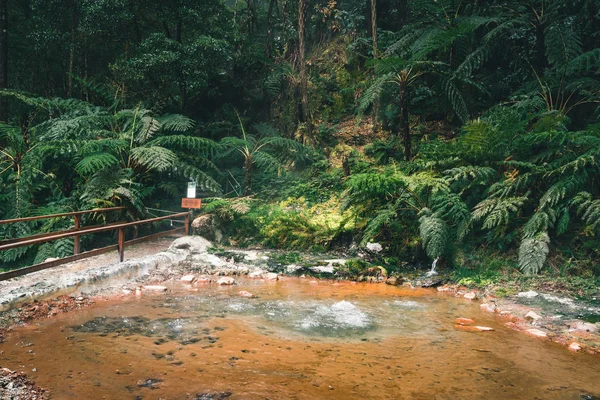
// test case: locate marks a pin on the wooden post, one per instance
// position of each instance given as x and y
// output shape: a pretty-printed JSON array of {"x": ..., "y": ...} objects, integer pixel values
[
  {"x": 187, "y": 224},
  {"x": 76, "y": 248},
  {"x": 121, "y": 244}
]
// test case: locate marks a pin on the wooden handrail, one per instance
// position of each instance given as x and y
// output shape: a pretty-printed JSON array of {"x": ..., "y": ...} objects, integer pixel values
[
  {"x": 90, "y": 230},
  {"x": 69, "y": 214}
]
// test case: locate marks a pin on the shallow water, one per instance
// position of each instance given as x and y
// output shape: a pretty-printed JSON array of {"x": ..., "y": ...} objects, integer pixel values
[{"x": 297, "y": 340}]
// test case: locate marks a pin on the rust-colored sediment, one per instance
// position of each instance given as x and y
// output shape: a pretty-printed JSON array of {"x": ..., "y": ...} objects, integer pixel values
[{"x": 254, "y": 359}]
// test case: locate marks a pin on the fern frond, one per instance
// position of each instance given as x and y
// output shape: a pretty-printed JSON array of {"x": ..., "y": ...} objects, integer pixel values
[
  {"x": 541, "y": 221},
  {"x": 589, "y": 209},
  {"x": 497, "y": 212},
  {"x": 588, "y": 61},
  {"x": 562, "y": 44},
  {"x": 175, "y": 122},
  {"x": 154, "y": 157},
  {"x": 533, "y": 253},
  {"x": 95, "y": 162},
  {"x": 434, "y": 233},
  {"x": 377, "y": 223}
]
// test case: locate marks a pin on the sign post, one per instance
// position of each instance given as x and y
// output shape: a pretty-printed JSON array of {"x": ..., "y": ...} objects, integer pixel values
[{"x": 190, "y": 202}]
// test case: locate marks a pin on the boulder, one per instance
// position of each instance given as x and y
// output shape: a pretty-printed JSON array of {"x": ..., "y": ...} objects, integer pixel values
[
  {"x": 256, "y": 274},
  {"x": 581, "y": 326},
  {"x": 271, "y": 276},
  {"x": 206, "y": 225},
  {"x": 192, "y": 244},
  {"x": 246, "y": 294},
  {"x": 226, "y": 280},
  {"x": 470, "y": 296},
  {"x": 188, "y": 279},
  {"x": 374, "y": 247},
  {"x": 488, "y": 307},
  {"x": 533, "y": 316},
  {"x": 536, "y": 332},
  {"x": 574, "y": 346},
  {"x": 529, "y": 295}
]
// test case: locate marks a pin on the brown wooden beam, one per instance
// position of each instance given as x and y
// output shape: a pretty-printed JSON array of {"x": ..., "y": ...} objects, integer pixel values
[
  {"x": 42, "y": 235},
  {"x": 88, "y": 231},
  {"x": 69, "y": 214}
]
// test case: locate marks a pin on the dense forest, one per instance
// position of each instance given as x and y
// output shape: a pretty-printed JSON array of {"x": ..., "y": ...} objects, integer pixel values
[{"x": 464, "y": 130}]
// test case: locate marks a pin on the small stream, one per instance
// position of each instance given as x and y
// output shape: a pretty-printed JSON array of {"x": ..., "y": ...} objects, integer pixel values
[{"x": 296, "y": 339}]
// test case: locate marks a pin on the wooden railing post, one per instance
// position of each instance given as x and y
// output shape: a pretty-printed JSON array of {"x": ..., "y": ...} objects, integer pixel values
[
  {"x": 76, "y": 248},
  {"x": 121, "y": 244},
  {"x": 187, "y": 224}
]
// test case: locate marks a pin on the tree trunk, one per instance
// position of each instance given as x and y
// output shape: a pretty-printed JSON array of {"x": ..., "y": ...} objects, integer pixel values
[
  {"x": 374, "y": 27},
  {"x": 179, "y": 29},
  {"x": 403, "y": 117},
  {"x": 302, "y": 61},
  {"x": 3, "y": 58},
  {"x": 269, "y": 28},
  {"x": 72, "y": 50},
  {"x": 248, "y": 176}
]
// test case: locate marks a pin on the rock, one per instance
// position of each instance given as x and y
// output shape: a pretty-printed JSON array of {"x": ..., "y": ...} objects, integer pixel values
[
  {"x": 246, "y": 294},
  {"x": 292, "y": 269},
  {"x": 431, "y": 282},
  {"x": 484, "y": 328},
  {"x": 272, "y": 276},
  {"x": 473, "y": 328},
  {"x": 488, "y": 307},
  {"x": 392, "y": 281},
  {"x": 203, "y": 279},
  {"x": 529, "y": 295},
  {"x": 536, "y": 332},
  {"x": 51, "y": 259},
  {"x": 444, "y": 288},
  {"x": 533, "y": 316},
  {"x": 226, "y": 280},
  {"x": 580, "y": 326},
  {"x": 464, "y": 321},
  {"x": 193, "y": 244},
  {"x": 256, "y": 274},
  {"x": 188, "y": 279},
  {"x": 206, "y": 226},
  {"x": 574, "y": 346},
  {"x": 155, "y": 288},
  {"x": 408, "y": 285},
  {"x": 322, "y": 269},
  {"x": 470, "y": 296},
  {"x": 374, "y": 247}
]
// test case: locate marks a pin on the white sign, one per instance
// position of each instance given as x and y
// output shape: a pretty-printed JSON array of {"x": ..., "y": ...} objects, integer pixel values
[{"x": 191, "y": 192}]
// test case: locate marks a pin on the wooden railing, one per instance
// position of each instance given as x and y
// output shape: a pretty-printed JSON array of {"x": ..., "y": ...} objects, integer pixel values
[{"x": 77, "y": 231}]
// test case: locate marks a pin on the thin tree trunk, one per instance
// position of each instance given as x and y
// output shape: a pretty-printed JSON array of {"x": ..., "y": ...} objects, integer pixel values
[
  {"x": 179, "y": 29},
  {"x": 3, "y": 58},
  {"x": 374, "y": 27},
  {"x": 403, "y": 116},
  {"x": 269, "y": 28},
  {"x": 72, "y": 50},
  {"x": 248, "y": 176},
  {"x": 302, "y": 62}
]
